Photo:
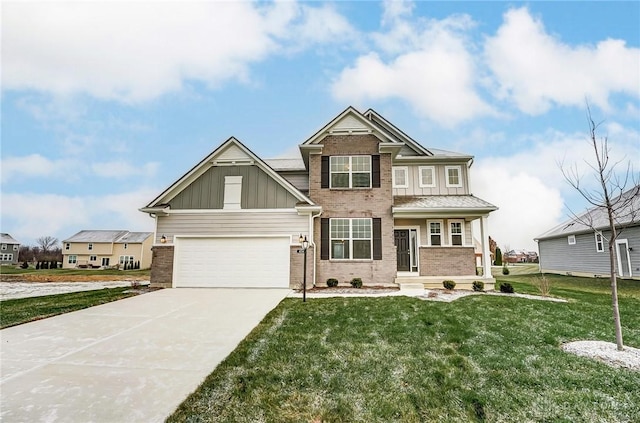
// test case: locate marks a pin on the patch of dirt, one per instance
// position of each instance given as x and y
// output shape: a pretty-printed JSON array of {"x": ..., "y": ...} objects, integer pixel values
[{"x": 36, "y": 277}]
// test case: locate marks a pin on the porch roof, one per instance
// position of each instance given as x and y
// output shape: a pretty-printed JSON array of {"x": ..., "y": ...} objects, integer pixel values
[{"x": 439, "y": 205}]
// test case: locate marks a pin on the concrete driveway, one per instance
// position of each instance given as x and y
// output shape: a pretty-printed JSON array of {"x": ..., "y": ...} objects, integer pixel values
[{"x": 133, "y": 360}]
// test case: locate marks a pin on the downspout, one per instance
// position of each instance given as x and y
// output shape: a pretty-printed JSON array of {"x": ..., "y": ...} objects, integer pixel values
[{"x": 313, "y": 242}]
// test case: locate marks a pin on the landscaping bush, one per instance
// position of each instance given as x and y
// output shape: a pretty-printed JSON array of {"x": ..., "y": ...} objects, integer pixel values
[
  {"x": 505, "y": 270},
  {"x": 356, "y": 283},
  {"x": 24, "y": 265},
  {"x": 448, "y": 284},
  {"x": 498, "y": 260},
  {"x": 506, "y": 287},
  {"x": 332, "y": 282},
  {"x": 478, "y": 286},
  {"x": 543, "y": 284}
]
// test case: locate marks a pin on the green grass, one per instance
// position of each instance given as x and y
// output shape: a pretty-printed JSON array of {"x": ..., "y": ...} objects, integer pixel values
[
  {"x": 23, "y": 310},
  {"x": 480, "y": 358},
  {"x": 11, "y": 270}
]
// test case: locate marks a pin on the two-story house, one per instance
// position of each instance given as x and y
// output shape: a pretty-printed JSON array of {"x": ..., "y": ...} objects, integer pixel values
[
  {"x": 95, "y": 249},
  {"x": 371, "y": 201},
  {"x": 9, "y": 250}
]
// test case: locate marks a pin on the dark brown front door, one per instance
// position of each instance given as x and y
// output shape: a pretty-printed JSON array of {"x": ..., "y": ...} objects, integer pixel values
[{"x": 401, "y": 239}]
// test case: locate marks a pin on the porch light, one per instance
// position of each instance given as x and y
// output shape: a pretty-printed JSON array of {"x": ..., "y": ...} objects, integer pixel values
[
  {"x": 163, "y": 239},
  {"x": 305, "y": 246}
]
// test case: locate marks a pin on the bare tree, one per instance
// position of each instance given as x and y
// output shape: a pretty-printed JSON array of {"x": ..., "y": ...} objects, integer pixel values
[
  {"x": 610, "y": 199},
  {"x": 46, "y": 243}
]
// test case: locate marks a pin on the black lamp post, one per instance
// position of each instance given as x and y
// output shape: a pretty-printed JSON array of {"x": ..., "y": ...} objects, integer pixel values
[{"x": 305, "y": 246}]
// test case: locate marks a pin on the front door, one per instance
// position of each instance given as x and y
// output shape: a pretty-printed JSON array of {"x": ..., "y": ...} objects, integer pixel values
[{"x": 401, "y": 239}]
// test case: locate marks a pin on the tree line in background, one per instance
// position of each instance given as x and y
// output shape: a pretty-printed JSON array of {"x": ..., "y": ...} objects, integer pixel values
[{"x": 47, "y": 253}]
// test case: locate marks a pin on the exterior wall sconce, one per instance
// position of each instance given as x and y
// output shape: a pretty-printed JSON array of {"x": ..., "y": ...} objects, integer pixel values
[{"x": 163, "y": 239}]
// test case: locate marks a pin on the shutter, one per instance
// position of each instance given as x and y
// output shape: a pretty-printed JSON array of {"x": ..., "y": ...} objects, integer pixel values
[
  {"x": 324, "y": 174},
  {"x": 324, "y": 239},
  {"x": 375, "y": 171},
  {"x": 377, "y": 238}
]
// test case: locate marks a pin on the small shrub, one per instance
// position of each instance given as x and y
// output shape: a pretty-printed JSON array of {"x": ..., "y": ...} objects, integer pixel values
[
  {"x": 478, "y": 286},
  {"x": 332, "y": 282},
  {"x": 506, "y": 287},
  {"x": 24, "y": 265},
  {"x": 448, "y": 284},
  {"x": 505, "y": 270},
  {"x": 356, "y": 283},
  {"x": 543, "y": 284}
]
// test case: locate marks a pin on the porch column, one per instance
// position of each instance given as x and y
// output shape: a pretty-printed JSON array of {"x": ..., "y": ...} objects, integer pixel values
[{"x": 486, "y": 253}]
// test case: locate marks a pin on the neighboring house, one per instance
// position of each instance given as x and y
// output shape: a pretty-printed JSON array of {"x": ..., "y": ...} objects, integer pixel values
[
  {"x": 101, "y": 249},
  {"x": 577, "y": 249},
  {"x": 520, "y": 256},
  {"x": 372, "y": 202},
  {"x": 9, "y": 250}
]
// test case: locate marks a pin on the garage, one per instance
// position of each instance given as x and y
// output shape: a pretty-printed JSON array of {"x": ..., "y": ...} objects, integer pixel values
[{"x": 232, "y": 262}]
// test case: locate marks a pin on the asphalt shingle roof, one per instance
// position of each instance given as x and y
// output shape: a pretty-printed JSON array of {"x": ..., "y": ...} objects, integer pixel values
[
  {"x": 108, "y": 236},
  {"x": 7, "y": 239}
]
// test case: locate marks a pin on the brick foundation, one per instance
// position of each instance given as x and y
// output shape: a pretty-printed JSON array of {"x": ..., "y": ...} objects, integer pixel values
[{"x": 161, "y": 266}]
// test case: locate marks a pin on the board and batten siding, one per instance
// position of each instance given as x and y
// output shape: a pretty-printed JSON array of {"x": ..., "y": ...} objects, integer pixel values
[
  {"x": 232, "y": 223},
  {"x": 441, "y": 188},
  {"x": 557, "y": 256},
  {"x": 259, "y": 190}
]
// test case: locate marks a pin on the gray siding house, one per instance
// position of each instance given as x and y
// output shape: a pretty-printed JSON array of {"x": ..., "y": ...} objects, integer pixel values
[
  {"x": 9, "y": 250},
  {"x": 578, "y": 249}
]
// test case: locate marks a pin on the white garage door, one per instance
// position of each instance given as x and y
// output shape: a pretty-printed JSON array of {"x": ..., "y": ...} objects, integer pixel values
[{"x": 254, "y": 262}]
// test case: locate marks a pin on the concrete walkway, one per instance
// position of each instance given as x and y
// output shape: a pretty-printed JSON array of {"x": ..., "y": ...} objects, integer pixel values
[{"x": 133, "y": 360}]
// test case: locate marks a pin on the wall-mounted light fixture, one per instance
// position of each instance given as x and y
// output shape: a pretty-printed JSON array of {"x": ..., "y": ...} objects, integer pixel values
[{"x": 163, "y": 239}]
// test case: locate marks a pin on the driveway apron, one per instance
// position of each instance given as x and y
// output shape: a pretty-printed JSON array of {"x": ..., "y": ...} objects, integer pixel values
[{"x": 133, "y": 360}]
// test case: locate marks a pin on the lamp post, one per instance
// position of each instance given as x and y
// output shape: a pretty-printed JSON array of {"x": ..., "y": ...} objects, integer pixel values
[{"x": 305, "y": 246}]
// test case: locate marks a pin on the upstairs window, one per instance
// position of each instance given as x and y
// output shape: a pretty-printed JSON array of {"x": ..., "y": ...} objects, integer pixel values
[
  {"x": 571, "y": 240},
  {"x": 454, "y": 176},
  {"x": 90, "y": 246},
  {"x": 4, "y": 246},
  {"x": 401, "y": 177},
  {"x": 350, "y": 171},
  {"x": 15, "y": 247},
  {"x": 435, "y": 233},
  {"x": 427, "y": 177},
  {"x": 599, "y": 242},
  {"x": 456, "y": 232},
  {"x": 67, "y": 246}
]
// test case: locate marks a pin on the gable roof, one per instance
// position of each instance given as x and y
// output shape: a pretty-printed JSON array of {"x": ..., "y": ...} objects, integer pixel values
[
  {"x": 110, "y": 236},
  {"x": 629, "y": 216},
  {"x": 230, "y": 152},
  {"x": 374, "y": 116},
  {"x": 7, "y": 239}
]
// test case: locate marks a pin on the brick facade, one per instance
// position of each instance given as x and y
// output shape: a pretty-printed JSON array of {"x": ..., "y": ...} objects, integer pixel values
[
  {"x": 161, "y": 266},
  {"x": 458, "y": 261},
  {"x": 296, "y": 271},
  {"x": 354, "y": 203}
]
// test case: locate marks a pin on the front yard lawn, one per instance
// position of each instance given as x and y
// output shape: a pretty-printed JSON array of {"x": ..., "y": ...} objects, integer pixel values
[
  {"x": 23, "y": 310},
  {"x": 479, "y": 358}
]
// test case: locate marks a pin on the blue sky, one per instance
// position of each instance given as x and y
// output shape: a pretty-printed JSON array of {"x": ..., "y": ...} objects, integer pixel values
[{"x": 105, "y": 104}]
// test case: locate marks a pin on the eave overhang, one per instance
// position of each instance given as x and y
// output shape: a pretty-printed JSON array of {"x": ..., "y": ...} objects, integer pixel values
[{"x": 421, "y": 213}]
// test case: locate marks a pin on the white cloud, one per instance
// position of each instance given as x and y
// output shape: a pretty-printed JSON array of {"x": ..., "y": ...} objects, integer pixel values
[
  {"x": 123, "y": 169},
  {"x": 138, "y": 51},
  {"x": 527, "y": 205},
  {"x": 29, "y": 216},
  {"x": 431, "y": 68},
  {"x": 536, "y": 70},
  {"x": 38, "y": 166}
]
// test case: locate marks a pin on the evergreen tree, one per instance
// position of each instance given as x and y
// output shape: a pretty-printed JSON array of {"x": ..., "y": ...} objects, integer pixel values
[{"x": 498, "y": 261}]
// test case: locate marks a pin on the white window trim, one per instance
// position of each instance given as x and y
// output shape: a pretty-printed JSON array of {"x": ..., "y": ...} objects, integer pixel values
[
  {"x": 124, "y": 258},
  {"x": 4, "y": 247},
  {"x": 571, "y": 240},
  {"x": 67, "y": 246},
  {"x": 15, "y": 247},
  {"x": 93, "y": 258},
  {"x": 599, "y": 249},
  {"x": 351, "y": 239},
  {"x": 405, "y": 170},
  {"x": 350, "y": 172},
  {"x": 6, "y": 256},
  {"x": 441, "y": 232},
  {"x": 461, "y": 221},
  {"x": 446, "y": 176},
  {"x": 72, "y": 259},
  {"x": 90, "y": 246},
  {"x": 433, "y": 176}
]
